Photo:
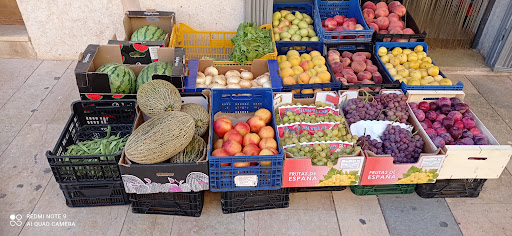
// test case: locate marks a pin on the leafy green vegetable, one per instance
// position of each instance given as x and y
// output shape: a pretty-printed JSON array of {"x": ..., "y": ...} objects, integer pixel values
[{"x": 251, "y": 42}]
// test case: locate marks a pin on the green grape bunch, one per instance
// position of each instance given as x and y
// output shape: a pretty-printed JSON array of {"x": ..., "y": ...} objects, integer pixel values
[
  {"x": 320, "y": 154},
  {"x": 337, "y": 133},
  {"x": 291, "y": 117}
]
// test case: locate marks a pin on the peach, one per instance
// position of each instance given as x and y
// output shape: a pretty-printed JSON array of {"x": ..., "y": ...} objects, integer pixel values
[
  {"x": 358, "y": 66},
  {"x": 399, "y": 10},
  {"x": 346, "y": 62},
  {"x": 392, "y": 4},
  {"x": 408, "y": 31},
  {"x": 349, "y": 25},
  {"x": 369, "y": 5},
  {"x": 382, "y": 22},
  {"x": 318, "y": 60},
  {"x": 325, "y": 76},
  {"x": 305, "y": 57},
  {"x": 256, "y": 122},
  {"x": 337, "y": 66},
  {"x": 371, "y": 68},
  {"x": 365, "y": 75},
  {"x": 368, "y": 13},
  {"x": 381, "y": 12},
  {"x": 393, "y": 16},
  {"x": 268, "y": 143},
  {"x": 297, "y": 70},
  {"x": 369, "y": 62},
  {"x": 352, "y": 78},
  {"x": 233, "y": 135},
  {"x": 312, "y": 72},
  {"x": 218, "y": 144},
  {"x": 243, "y": 128},
  {"x": 359, "y": 57},
  {"x": 251, "y": 138},
  {"x": 377, "y": 77},
  {"x": 315, "y": 53},
  {"x": 239, "y": 154},
  {"x": 333, "y": 58},
  {"x": 220, "y": 153},
  {"x": 333, "y": 52},
  {"x": 266, "y": 132},
  {"x": 251, "y": 150},
  {"x": 320, "y": 68},
  {"x": 266, "y": 152},
  {"x": 241, "y": 164},
  {"x": 396, "y": 24},
  {"x": 381, "y": 5},
  {"x": 273, "y": 150},
  {"x": 315, "y": 80},
  {"x": 231, "y": 147},
  {"x": 288, "y": 80},
  {"x": 307, "y": 64},
  {"x": 221, "y": 126},
  {"x": 375, "y": 26},
  {"x": 303, "y": 78},
  {"x": 347, "y": 54},
  {"x": 265, "y": 114}
]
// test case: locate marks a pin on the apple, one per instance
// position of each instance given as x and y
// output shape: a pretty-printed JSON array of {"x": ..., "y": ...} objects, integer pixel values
[
  {"x": 265, "y": 114},
  {"x": 266, "y": 132},
  {"x": 268, "y": 143},
  {"x": 251, "y": 138},
  {"x": 221, "y": 126},
  {"x": 231, "y": 147},
  {"x": 233, "y": 134},
  {"x": 218, "y": 144},
  {"x": 251, "y": 150},
  {"x": 243, "y": 128},
  {"x": 220, "y": 153},
  {"x": 256, "y": 122}
]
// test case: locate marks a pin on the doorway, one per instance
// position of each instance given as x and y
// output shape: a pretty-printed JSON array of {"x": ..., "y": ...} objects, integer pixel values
[{"x": 10, "y": 13}]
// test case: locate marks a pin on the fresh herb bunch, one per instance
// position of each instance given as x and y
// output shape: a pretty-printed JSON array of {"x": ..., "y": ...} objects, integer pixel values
[{"x": 251, "y": 42}]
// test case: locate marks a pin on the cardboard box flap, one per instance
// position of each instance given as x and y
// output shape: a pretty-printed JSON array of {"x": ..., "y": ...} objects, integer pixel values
[
  {"x": 151, "y": 12},
  {"x": 136, "y": 19}
]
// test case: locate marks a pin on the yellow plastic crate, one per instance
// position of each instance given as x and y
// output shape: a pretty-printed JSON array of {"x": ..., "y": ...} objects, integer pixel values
[{"x": 214, "y": 44}]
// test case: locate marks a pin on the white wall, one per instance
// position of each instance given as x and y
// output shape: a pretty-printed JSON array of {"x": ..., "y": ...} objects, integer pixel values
[{"x": 61, "y": 29}]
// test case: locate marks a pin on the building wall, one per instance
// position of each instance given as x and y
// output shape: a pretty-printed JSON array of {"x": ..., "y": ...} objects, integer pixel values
[
  {"x": 61, "y": 29},
  {"x": 491, "y": 28}
]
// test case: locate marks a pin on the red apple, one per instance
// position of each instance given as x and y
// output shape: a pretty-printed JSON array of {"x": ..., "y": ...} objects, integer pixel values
[
  {"x": 243, "y": 128},
  {"x": 221, "y": 126},
  {"x": 231, "y": 147},
  {"x": 233, "y": 134},
  {"x": 251, "y": 150},
  {"x": 265, "y": 114},
  {"x": 251, "y": 138},
  {"x": 266, "y": 152},
  {"x": 220, "y": 153},
  {"x": 256, "y": 122}
]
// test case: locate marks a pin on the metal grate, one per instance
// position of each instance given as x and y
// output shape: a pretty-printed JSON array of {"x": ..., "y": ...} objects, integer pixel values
[{"x": 259, "y": 11}]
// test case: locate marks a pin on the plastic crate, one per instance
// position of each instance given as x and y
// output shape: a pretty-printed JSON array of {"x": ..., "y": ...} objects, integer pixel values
[
  {"x": 409, "y": 23},
  {"x": 233, "y": 202},
  {"x": 222, "y": 178},
  {"x": 213, "y": 44},
  {"x": 403, "y": 86},
  {"x": 193, "y": 67},
  {"x": 300, "y": 46},
  {"x": 325, "y": 9},
  {"x": 387, "y": 82},
  {"x": 316, "y": 189},
  {"x": 90, "y": 120},
  {"x": 106, "y": 193},
  {"x": 364, "y": 190},
  {"x": 182, "y": 204},
  {"x": 451, "y": 188}
]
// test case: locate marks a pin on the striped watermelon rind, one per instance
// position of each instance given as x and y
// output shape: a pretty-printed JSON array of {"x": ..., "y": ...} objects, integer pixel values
[
  {"x": 159, "y": 68},
  {"x": 148, "y": 33},
  {"x": 121, "y": 78}
]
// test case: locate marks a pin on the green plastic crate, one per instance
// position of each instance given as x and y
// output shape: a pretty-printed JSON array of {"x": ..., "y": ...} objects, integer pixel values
[{"x": 363, "y": 190}]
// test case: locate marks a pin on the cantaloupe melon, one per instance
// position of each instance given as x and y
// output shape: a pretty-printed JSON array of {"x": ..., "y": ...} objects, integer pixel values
[
  {"x": 192, "y": 153},
  {"x": 157, "y": 96},
  {"x": 201, "y": 117}
]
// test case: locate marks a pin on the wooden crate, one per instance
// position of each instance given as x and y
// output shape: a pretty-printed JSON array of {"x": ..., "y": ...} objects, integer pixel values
[{"x": 467, "y": 161}]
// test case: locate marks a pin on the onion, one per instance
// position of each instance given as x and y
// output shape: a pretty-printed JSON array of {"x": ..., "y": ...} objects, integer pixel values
[
  {"x": 208, "y": 80},
  {"x": 233, "y": 73},
  {"x": 254, "y": 83},
  {"x": 233, "y": 80},
  {"x": 200, "y": 74},
  {"x": 234, "y": 86},
  {"x": 218, "y": 86},
  {"x": 201, "y": 86},
  {"x": 200, "y": 80},
  {"x": 267, "y": 84},
  {"x": 246, "y": 75},
  {"x": 245, "y": 83},
  {"x": 219, "y": 80},
  {"x": 211, "y": 71},
  {"x": 262, "y": 79}
]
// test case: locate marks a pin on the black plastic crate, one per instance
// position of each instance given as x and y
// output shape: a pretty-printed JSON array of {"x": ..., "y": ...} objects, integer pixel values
[
  {"x": 182, "y": 204},
  {"x": 105, "y": 193},
  {"x": 387, "y": 83},
  {"x": 316, "y": 189},
  {"x": 240, "y": 201},
  {"x": 89, "y": 120},
  {"x": 451, "y": 188},
  {"x": 364, "y": 190}
]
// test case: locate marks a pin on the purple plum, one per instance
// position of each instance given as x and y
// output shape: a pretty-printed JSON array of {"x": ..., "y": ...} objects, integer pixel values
[
  {"x": 441, "y": 130},
  {"x": 467, "y": 141},
  {"x": 461, "y": 107},
  {"x": 434, "y": 106},
  {"x": 439, "y": 142},
  {"x": 455, "y": 132},
  {"x": 431, "y": 115},
  {"x": 481, "y": 139},
  {"x": 437, "y": 125},
  {"x": 424, "y": 106},
  {"x": 467, "y": 134},
  {"x": 419, "y": 114},
  {"x": 455, "y": 115},
  {"x": 445, "y": 109},
  {"x": 447, "y": 122},
  {"x": 428, "y": 123},
  {"x": 444, "y": 101},
  {"x": 454, "y": 101},
  {"x": 413, "y": 105},
  {"x": 447, "y": 138},
  {"x": 469, "y": 122}
]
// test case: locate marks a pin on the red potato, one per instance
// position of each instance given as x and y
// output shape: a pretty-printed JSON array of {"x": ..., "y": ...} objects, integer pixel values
[
  {"x": 365, "y": 75},
  {"x": 369, "y": 62},
  {"x": 368, "y": 13},
  {"x": 369, "y": 5},
  {"x": 393, "y": 4},
  {"x": 408, "y": 31},
  {"x": 393, "y": 16},
  {"x": 346, "y": 62},
  {"x": 397, "y": 24},
  {"x": 333, "y": 58},
  {"x": 382, "y": 22},
  {"x": 371, "y": 68},
  {"x": 349, "y": 25},
  {"x": 399, "y": 10},
  {"x": 333, "y": 52},
  {"x": 340, "y": 19},
  {"x": 382, "y": 5},
  {"x": 337, "y": 67},
  {"x": 377, "y": 77},
  {"x": 352, "y": 78},
  {"x": 358, "y": 66},
  {"x": 381, "y": 12},
  {"x": 347, "y": 55},
  {"x": 375, "y": 26}
]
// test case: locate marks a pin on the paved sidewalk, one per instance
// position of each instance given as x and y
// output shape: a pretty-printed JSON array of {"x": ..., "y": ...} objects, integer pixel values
[{"x": 35, "y": 98}]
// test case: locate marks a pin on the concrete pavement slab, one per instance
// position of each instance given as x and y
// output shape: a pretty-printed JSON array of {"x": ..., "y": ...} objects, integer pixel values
[
  {"x": 321, "y": 200},
  {"x": 483, "y": 219},
  {"x": 146, "y": 224}
]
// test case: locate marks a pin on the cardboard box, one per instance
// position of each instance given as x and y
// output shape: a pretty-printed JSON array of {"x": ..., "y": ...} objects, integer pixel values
[
  {"x": 92, "y": 85},
  {"x": 299, "y": 171},
  {"x": 258, "y": 67},
  {"x": 467, "y": 161},
  {"x": 144, "y": 52},
  {"x": 380, "y": 169},
  {"x": 167, "y": 177}
]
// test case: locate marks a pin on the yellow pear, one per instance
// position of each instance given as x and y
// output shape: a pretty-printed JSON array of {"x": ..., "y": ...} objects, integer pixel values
[
  {"x": 418, "y": 48},
  {"x": 445, "y": 81},
  {"x": 396, "y": 51},
  {"x": 384, "y": 59},
  {"x": 433, "y": 71},
  {"x": 403, "y": 58},
  {"x": 383, "y": 51}
]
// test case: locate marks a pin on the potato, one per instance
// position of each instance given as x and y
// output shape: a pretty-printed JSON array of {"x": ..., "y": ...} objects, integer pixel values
[{"x": 358, "y": 66}]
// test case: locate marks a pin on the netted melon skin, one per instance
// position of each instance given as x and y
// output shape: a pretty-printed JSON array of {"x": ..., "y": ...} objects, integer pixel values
[{"x": 158, "y": 96}]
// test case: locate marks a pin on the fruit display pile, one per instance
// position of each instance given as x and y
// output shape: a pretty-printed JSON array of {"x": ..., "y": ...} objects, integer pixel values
[
  {"x": 448, "y": 121},
  {"x": 342, "y": 23},
  {"x": 295, "y": 26},
  {"x": 387, "y": 19},
  {"x": 211, "y": 78},
  {"x": 346, "y": 65},
  {"x": 308, "y": 68},
  {"x": 384, "y": 106},
  {"x": 413, "y": 67}
]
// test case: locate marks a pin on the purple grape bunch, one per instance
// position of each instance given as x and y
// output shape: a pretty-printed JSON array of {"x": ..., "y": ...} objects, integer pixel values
[
  {"x": 389, "y": 106},
  {"x": 368, "y": 144},
  {"x": 401, "y": 144}
]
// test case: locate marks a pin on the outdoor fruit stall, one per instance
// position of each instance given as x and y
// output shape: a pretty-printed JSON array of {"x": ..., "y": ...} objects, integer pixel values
[{"x": 327, "y": 95}]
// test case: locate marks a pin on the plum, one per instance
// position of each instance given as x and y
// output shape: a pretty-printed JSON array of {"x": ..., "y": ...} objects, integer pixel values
[
  {"x": 424, "y": 106},
  {"x": 437, "y": 125},
  {"x": 447, "y": 122},
  {"x": 423, "y": 125},
  {"x": 440, "y": 117},
  {"x": 441, "y": 130},
  {"x": 475, "y": 131},
  {"x": 455, "y": 115},
  {"x": 461, "y": 107},
  {"x": 467, "y": 134},
  {"x": 428, "y": 123},
  {"x": 445, "y": 109},
  {"x": 434, "y": 106},
  {"x": 377, "y": 77},
  {"x": 439, "y": 142},
  {"x": 431, "y": 115},
  {"x": 459, "y": 124},
  {"x": 467, "y": 114},
  {"x": 481, "y": 139},
  {"x": 413, "y": 105},
  {"x": 419, "y": 114},
  {"x": 447, "y": 138},
  {"x": 432, "y": 136},
  {"x": 454, "y": 101},
  {"x": 358, "y": 66},
  {"x": 469, "y": 122},
  {"x": 430, "y": 131},
  {"x": 467, "y": 141},
  {"x": 444, "y": 101},
  {"x": 365, "y": 75},
  {"x": 455, "y": 132}
]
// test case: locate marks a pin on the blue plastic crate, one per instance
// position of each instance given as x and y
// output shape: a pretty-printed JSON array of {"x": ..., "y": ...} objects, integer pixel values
[
  {"x": 193, "y": 65},
  {"x": 325, "y": 9},
  {"x": 459, "y": 86},
  {"x": 222, "y": 177},
  {"x": 300, "y": 46}
]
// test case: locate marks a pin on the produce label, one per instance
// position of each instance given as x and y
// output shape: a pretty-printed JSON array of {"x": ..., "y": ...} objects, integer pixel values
[
  {"x": 321, "y": 111},
  {"x": 295, "y": 127},
  {"x": 311, "y": 128},
  {"x": 301, "y": 173},
  {"x": 382, "y": 170},
  {"x": 296, "y": 110},
  {"x": 333, "y": 145},
  {"x": 246, "y": 180}
]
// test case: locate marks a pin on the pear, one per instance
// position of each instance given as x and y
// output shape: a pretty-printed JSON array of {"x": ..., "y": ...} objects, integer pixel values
[{"x": 299, "y": 15}]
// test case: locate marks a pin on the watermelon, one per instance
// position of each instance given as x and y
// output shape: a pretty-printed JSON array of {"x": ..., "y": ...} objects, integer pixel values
[
  {"x": 120, "y": 77},
  {"x": 148, "y": 33},
  {"x": 159, "y": 67}
]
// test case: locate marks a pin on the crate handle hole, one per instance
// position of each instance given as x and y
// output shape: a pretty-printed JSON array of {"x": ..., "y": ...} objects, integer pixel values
[
  {"x": 477, "y": 158},
  {"x": 165, "y": 174}
]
